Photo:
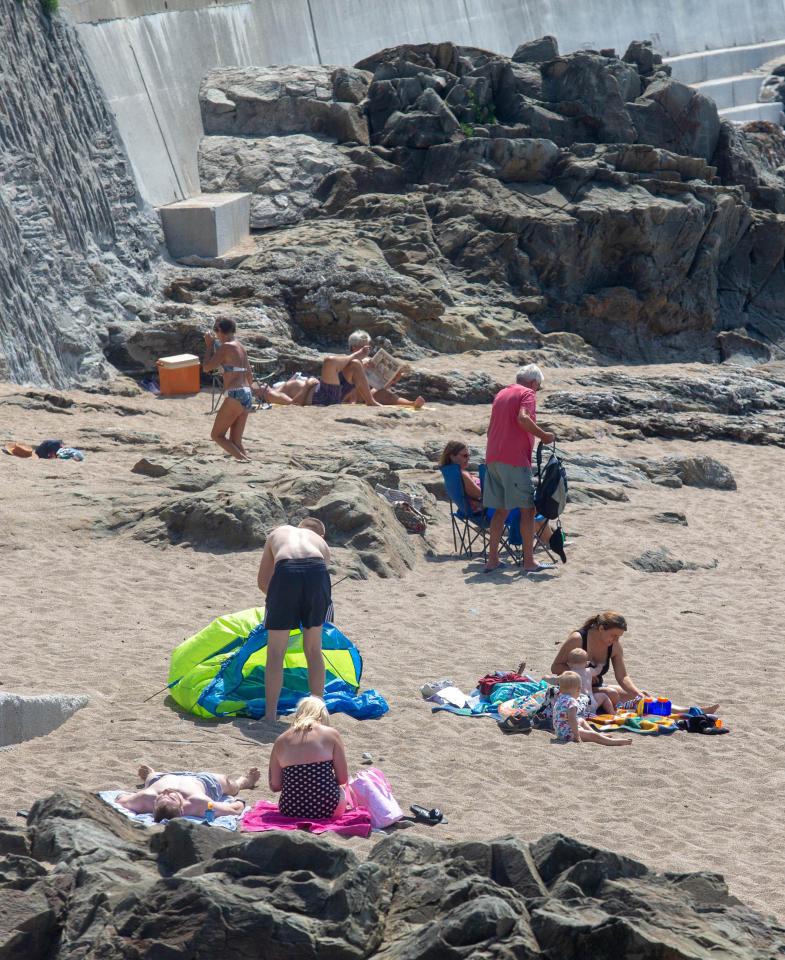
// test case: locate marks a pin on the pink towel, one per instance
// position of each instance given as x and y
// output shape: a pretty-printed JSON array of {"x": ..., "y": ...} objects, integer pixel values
[{"x": 265, "y": 816}]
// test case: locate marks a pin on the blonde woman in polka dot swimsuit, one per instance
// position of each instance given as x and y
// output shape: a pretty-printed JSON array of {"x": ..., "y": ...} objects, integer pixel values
[{"x": 308, "y": 765}]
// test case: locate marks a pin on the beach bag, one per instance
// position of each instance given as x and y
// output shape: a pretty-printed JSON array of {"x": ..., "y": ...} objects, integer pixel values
[
  {"x": 410, "y": 518},
  {"x": 371, "y": 791},
  {"x": 550, "y": 497}
]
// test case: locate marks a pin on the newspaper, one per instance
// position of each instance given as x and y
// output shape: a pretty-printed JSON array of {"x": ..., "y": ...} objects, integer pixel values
[{"x": 383, "y": 368}]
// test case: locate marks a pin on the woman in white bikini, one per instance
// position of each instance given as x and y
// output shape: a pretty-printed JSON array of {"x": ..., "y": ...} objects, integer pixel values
[{"x": 225, "y": 351}]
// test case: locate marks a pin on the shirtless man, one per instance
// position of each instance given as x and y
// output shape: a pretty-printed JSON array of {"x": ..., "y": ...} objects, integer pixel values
[
  {"x": 386, "y": 396},
  {"x": 296, "y": 391},
  {"x": 170, "y": 795},
  {"x": 293, "y": 575}
]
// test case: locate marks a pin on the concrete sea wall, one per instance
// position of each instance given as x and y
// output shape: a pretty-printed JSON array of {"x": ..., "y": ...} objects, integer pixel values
[{"x": 149, "y": 55}]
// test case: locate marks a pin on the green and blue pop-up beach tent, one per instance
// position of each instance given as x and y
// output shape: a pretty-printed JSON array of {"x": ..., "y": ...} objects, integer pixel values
[{"x": 219, "y": 672}]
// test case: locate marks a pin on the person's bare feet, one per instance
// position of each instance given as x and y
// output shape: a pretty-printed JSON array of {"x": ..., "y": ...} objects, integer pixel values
[
  {"x": 419, "y": 402},
  {"x": 620, "y": 742},
  {"x": 144, "y": 771},
  {"x": 712, "y": 709},
  {"x": 537, "y": 567},
  {"x": 249, "y": 779}
]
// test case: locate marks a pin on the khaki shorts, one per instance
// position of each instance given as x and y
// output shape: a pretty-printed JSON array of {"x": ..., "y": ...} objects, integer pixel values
[{"x": 508, "y": 487}]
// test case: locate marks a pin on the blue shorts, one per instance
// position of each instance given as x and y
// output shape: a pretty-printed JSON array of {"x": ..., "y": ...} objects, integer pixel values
[
  {"x": 211, "y": 786},
  {"x": 242, "y": 395}
]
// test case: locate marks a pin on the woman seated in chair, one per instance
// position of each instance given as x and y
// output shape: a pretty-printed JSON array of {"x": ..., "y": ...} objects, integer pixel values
[
  {"x": 224, "y": 351},
  {"x": 457, "y": 452}
]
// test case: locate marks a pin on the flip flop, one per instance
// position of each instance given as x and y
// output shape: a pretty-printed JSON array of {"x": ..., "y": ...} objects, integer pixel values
[
  {"x": 434, "y": 815},
  {"x": 540, "y": 568},
  {"x": 502, "y": 565}
]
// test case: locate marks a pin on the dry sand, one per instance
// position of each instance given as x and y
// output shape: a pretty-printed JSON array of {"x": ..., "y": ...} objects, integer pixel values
[{"x": 99, "y": 615}]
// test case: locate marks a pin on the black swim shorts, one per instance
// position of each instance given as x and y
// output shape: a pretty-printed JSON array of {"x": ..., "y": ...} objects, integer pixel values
[{"x": 299, "y": 594}]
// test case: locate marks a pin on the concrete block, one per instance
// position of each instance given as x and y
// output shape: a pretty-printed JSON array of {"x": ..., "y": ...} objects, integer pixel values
[
  {"x": 23, "y": 718},
  {"x": 206, "y": 226},
  {"x": 732, "y": 91},
  {"x": 754, "y": 111}
]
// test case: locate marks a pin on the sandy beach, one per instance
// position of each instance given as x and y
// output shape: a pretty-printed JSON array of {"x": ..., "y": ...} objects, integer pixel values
[{"x": 91, "y": 612}]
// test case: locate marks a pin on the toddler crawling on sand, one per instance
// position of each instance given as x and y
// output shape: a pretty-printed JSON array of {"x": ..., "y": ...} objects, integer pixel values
[{"x": 567, "y": 722}]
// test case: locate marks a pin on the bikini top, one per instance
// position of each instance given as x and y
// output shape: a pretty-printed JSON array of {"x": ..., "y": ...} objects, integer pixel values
[
  {"x": 584, "y": 633},
  {"x": 216, "y": 347}
]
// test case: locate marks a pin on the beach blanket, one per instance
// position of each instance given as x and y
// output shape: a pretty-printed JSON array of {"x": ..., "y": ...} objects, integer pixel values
[
  {"x": 110, "y": 797},
  {"x": 632, "y": 723},
  {"x": 265, "y": 816}
]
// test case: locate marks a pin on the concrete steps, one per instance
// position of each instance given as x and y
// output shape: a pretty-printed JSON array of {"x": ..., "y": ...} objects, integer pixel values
[
  {"x": 754, "y": 111},
  {"x": 706, "y": 65},
  {"x": 732, "y": 77}
]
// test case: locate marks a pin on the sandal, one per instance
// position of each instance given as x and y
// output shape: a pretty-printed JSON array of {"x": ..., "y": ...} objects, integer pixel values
[
  {"x": 433, "y": 815},
  {"x": 515, "y": 725}
]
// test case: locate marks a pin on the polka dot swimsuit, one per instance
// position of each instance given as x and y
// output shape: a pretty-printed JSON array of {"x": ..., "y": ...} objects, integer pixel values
[{"x": 309, "y": 790}]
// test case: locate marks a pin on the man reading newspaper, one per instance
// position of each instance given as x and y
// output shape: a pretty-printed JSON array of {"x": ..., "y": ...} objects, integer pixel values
[{"x": 383, "y": 371}]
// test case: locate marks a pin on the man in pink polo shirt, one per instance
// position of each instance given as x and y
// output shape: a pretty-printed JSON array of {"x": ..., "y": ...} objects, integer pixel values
[{"x": 508, "y": 481}]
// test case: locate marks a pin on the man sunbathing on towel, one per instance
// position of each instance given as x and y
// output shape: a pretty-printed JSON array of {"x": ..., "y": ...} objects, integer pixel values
[{"x": 170, "y": 795}]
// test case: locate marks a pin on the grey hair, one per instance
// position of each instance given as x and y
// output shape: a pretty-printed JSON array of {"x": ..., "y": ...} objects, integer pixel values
[
  {"x": 531, "y": 373},
  {"x": 358, "y": 338}
]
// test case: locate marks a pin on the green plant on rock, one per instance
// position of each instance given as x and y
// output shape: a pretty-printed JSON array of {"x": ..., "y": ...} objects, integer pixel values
[
  {"x": 49, "y": 6},
  {"x": 468, "y": 129},
  {"x": 482, "y": 115}
]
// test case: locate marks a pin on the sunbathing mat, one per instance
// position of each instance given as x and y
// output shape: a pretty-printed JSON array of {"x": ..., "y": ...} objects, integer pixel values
[
  {"x": 632, "y": 723},
  {"x": 110, "y": 797},
  {"x": 265, "y": 816}
]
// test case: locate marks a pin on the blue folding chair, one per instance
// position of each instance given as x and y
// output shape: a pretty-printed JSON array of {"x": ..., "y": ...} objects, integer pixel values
[{"x": 468, "y": 526}]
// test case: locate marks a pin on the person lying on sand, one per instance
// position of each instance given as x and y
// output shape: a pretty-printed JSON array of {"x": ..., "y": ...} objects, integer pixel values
[
  {"x": 296, "y": 391},
  {"x": 568, "y": 725},
  {"x": 170, "y": 795},
  {"x": 293, "y": 575}
]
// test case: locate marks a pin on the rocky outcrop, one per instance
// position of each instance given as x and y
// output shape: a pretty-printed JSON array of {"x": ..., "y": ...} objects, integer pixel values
[
  {"x": 185, "y": 889},
  {"x": 739, "y": 405},
  {"x": 77, "y": 255},
  {"x": 282, "y": 173},
  {"x": 193, "y": 502},
  {"x": 260, "y": 101},
  {"x": 586, "y": 193}
]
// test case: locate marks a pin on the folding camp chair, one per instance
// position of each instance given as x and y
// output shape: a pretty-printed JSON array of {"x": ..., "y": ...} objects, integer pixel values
[
  {"x": 514, "y": 535},
  {"x": 468, "y": 527},
  {"x": 263, "y": 370}
]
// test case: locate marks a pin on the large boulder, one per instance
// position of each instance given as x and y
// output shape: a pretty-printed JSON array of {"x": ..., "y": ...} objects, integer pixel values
[
  {"x": 265, "y": 101},
  {"x": 282, "y": 173},
  {"x": 198, "y": 891},
  {"x": 672, "y": 115}
]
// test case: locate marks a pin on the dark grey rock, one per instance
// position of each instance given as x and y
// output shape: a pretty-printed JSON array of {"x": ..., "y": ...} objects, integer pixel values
[
  {"x": 536, "y": 51},
  {"x": 150, "y": 468},
  {"x": 283, "y": 173},
  {"x": 671, "y": 516},
  {"x": 660, "y": 560},
  {"x": 672, "y": 115},
  {"x": 280, "y": 893},
  {"x": 270, "y": 101}
]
